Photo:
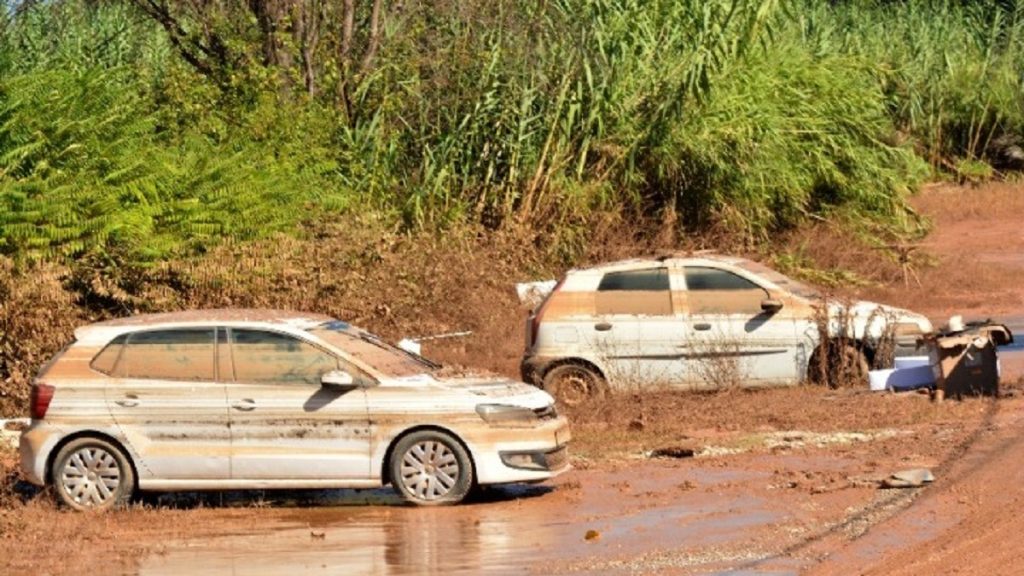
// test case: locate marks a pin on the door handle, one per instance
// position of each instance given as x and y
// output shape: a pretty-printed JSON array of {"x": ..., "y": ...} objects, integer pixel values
[
  {"x": 602, "y": 327},
  {"x": 245, "y": 405},
  {"x": 129, "y": 401},
  {"x": 702, "y": 326}
]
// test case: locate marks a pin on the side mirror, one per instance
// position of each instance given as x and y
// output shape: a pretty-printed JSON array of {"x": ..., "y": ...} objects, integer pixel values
[
  {"x": 771, "y": 305},
  {"x": 337, "y": 379}
]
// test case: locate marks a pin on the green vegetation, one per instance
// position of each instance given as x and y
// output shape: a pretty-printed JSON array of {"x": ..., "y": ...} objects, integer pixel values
[{"x": 134, "y": 131}]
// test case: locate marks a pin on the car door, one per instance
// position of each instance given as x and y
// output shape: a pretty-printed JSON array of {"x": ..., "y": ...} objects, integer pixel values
[
  {"x": 637, "y": 332},
  {"x": 731, "y": 340},
  {"x": 284, "y": 424},
  {"x": 167, "y": 402}
]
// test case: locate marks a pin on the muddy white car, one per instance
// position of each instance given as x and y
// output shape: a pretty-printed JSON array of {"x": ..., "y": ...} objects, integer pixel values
[
  {"x": 702, "y": 322},
  {"x": 263, "y": 399}
]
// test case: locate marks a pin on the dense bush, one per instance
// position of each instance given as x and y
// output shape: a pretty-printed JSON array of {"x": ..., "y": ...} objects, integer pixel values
[
  {"x": 130, "y": 141},
  {"x": 138, "y": 139}
]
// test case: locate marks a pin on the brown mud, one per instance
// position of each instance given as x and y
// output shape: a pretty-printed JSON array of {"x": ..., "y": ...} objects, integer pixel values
[{"x": 781, "y": 481}]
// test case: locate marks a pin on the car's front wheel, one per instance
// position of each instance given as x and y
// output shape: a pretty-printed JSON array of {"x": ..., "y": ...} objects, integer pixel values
[
  {"x": 431, "y": 468},
  {"x": 92, "y": 474}
]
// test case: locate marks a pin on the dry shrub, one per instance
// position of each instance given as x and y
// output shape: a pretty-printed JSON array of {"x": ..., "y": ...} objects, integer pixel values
[
  {"x": 398, "y": 285},
  {"x": 37, "y": 318},
  {"x": 719, "y": 363},
  {"x": 11, "y": 502},
  {"x": 833, "y": 255}
]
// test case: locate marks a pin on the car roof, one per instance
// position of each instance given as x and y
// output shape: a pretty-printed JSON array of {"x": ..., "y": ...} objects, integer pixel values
[
  {"x": 103, "y": 332},
  {"x": 677, "y": 258}
]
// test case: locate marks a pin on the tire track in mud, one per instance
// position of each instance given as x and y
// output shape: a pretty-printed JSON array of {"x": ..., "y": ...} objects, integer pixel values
[{"x": 858, "y": 525}]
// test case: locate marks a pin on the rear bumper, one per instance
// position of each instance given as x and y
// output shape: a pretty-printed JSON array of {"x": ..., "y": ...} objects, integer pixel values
[{"x": 36, "y": 443}]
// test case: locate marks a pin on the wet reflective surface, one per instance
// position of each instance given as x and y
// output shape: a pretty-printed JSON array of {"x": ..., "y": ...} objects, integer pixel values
[{"x": 507, "y": 530}]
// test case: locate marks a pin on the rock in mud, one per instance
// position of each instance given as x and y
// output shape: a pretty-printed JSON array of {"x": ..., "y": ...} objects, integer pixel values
[
  {"x": 673, "y": 452},
  {"x": 912, "y": 478}
]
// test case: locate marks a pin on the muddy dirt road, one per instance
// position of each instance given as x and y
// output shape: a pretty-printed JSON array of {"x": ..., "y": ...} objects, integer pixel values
[
  {"x": 768, "y": 502},
  {"x": 752, "y": 511},
  {"x": 782, "y": 481},
  {"x": 797, "y": 498}
]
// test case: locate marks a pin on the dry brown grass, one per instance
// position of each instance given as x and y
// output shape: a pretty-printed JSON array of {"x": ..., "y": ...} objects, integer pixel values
[
  {"x": 629, "y": 424},
  {"x": 37, "y": 316}
]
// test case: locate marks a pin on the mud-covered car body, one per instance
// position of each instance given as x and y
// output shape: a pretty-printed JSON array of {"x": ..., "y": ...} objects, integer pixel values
[
  {"x": 264, "y": 399},
  {"x": 683, "y": 321}
]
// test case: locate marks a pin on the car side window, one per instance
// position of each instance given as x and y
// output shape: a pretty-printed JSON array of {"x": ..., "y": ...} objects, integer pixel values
[
  {"x": 715, "y": 291},
  {"x": 635, "y": 292},
  {"x": 272, "y": 358},
  {"x": 106, "y": 360},
  {"x": 181, "y": 354}
]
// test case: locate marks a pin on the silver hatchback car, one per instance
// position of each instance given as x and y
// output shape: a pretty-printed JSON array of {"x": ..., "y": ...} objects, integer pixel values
[
  {"x": 696, "y": 322},
  {"x": 245, "y": 399}
]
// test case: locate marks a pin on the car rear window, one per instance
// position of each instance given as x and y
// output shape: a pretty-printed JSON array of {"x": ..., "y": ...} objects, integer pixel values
[
  {"x": 180, "y": 354},
  {"x": 635, "y": 292},
  {"x": 654, "y": 279}
]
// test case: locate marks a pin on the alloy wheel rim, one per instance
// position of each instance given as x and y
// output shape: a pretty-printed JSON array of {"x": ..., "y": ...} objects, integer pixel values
[
  {"x": 91, "y": 477},
  {"x": 574, "y": 389},
  {"x": 430, "y": 470}
]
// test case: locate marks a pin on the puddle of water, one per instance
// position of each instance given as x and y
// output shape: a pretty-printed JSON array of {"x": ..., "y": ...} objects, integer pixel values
[
  {"x": 367, "y": 542},
  {"x": 510, "y": 529}
]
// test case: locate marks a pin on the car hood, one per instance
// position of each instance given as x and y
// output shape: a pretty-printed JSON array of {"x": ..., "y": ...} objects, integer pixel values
[
  {"x": 865, "y": 310},
  {"x": 499, "y": 391}
]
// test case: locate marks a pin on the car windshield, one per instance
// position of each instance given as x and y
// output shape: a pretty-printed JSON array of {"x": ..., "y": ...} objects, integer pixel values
[
  {"x": 368, "y": 348},
  {"x": 783, "y": 281}
]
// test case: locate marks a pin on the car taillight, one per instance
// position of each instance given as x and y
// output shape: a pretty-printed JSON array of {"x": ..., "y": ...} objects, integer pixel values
[
  {"x": 42, "y": 394},
  {"x": 538, "y": 314}
]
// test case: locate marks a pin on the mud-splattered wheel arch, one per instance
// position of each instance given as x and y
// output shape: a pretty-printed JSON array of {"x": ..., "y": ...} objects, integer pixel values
[
  {"x": 430, "y": 468},
  {"x": 91, "y": 473}
]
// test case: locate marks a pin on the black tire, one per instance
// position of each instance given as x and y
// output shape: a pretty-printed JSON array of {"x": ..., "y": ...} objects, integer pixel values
[
  {"x": 90, "y": 474},
  {"x": 845, "y": 367},
  {"x": 431, "y": 468},
  {"x": 573, "y": 385}
]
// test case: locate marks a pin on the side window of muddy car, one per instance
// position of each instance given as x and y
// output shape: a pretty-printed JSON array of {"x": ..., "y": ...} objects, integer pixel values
[
  {"x": 183, "y": 354},
  {"x": 714, "y": 291},
  {"x": 272, "y": 358},
  {"x": 635, "y": 292}
]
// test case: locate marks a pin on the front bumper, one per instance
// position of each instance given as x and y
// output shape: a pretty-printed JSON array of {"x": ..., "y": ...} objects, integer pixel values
[
  {"x": 550, "y": 460},
  {"x": 526, "y": 455},
  {"x": 910, "y": 345}
]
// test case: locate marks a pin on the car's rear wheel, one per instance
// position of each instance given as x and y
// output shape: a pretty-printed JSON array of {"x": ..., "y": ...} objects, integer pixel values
[
  {"x": 844, "y": 366},
  {"x": 573, "y": 384},
  {"x": 92, "y": 474},
  {"x": 431, "y": 468}
]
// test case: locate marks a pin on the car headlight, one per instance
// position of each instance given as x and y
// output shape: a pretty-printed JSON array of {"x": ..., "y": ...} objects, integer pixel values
[
  {"x": 908, "y": 329},
  {"x": 505, "y": 415}
]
